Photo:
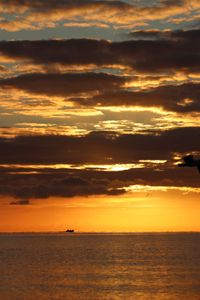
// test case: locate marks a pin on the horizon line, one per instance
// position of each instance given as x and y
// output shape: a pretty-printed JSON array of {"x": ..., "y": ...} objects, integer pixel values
[{"x": 98, "y": 232}]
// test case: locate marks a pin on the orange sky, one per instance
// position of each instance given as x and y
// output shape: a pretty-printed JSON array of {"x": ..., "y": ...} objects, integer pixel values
[{"x": 151, "y": 211}]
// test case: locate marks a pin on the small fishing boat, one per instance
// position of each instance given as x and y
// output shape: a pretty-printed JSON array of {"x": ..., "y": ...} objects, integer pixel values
[{"x": 70, "y": 230}]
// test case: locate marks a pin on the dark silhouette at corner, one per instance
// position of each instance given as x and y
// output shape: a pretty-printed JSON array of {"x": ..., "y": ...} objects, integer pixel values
[{"x": 189, "y": 161}]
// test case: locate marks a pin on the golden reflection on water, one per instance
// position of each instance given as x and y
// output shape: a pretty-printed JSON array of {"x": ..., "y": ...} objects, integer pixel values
[{"x": 100, "y": 266}]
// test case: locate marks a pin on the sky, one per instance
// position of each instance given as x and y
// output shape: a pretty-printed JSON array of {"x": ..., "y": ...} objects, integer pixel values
[{"x": 99, "y": 101}]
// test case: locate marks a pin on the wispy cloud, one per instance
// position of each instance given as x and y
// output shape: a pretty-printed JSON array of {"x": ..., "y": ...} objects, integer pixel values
[{"x": 40, "y": 14}]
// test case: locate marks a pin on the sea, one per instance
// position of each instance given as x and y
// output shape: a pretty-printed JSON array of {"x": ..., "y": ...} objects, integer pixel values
[{"x": 136, "y": 266}]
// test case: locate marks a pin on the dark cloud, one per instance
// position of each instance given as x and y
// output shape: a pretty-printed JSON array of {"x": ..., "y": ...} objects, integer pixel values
[
  {"x": 106, "y": 90},
  {"x": 71, "y": 183},
  {"x": 179, "y": 98},
  {"x": 98, "y": 147},
  {"x": 31, "y": 182},
  {"x": 57, "y": 185},
  {"x": 46, "y": 6},
  {"x": 67, "y": 52},
  {"x": 63, "y": 84},
  {"x": 179, "y": 51},
  {"x": 177, "y": 35}
]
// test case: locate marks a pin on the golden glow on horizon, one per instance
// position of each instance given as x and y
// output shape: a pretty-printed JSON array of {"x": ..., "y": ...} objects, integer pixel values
[{"x": 147, "y": 210}]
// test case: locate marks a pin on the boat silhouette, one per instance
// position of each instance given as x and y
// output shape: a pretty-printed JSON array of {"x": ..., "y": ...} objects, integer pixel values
[{"x": 70, "y": 230}]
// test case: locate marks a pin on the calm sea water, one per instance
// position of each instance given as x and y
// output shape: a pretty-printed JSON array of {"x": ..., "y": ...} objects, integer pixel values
[{"x": 100, "y": 266}]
